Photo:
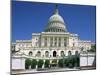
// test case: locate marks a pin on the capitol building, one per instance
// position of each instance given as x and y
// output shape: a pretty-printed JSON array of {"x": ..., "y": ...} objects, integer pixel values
[{"x": 53, "y": 43}]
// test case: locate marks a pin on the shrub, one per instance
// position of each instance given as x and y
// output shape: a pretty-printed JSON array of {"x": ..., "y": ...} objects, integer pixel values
[
  {"x": 27, "y": 63},
  {"x": 40, "y": 63},
  {"x": 47, "y": 63},
  {"x": 33, "y": 63}
]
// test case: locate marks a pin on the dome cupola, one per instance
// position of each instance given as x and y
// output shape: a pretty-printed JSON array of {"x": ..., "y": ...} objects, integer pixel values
[{"x": 56, "y": 23}]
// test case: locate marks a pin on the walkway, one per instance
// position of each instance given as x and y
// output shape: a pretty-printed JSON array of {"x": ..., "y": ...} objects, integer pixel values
[{"x": 42, "y": 71}]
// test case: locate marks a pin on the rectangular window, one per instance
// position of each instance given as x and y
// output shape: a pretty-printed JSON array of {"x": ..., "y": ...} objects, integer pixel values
[
  {"x": 59, "y": 42},
  {"x": 65, "y": 42},
  {"x": 51, "y": 41},
  {"x": 45, "y": 41},
  {"x": 73, "y": 44},
  {"x": 55, "y": 41}
]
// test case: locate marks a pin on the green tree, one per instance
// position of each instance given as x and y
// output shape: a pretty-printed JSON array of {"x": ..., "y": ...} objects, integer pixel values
[
  {"x": 66, "y": 62},
  {"x": 60, "y": 63},
  {"x": 76, "y": 60},
  {"x": 93, "y": 48},
  {"x": 27, "y": 63},
  {"x": 70, "y": 62},
  {"x": 47, "y": 63},
  {"x": 40, "y": 63},
  {"x": 33, "y": 63}
]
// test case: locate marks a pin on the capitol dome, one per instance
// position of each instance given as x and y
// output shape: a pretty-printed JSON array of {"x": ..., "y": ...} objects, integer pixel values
[
  {"x": 56, "y": 23},
  {"x": 56, "y": 17}
]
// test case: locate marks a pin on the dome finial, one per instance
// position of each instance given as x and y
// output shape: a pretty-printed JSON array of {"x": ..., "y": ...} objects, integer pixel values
[{"x": 56, "y": 9}]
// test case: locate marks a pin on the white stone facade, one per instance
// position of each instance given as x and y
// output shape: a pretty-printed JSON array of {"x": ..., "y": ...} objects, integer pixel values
[{"x": 50, "y": 42}]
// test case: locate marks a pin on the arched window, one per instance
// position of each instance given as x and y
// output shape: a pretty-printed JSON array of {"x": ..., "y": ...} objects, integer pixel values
[
  {"x": 62, "y": 53},
  {"x": 58, "y": 30},
  {"x": 47, "y": 54},
  {"x": 69, "y": 53},
  {"x": 54, "y": 53},
  {"x": 76, "y": 53},
  {"x": 82, "y": 48},
  {"x": 30, "y": 53},
  {"x": 38, "y": 53}
]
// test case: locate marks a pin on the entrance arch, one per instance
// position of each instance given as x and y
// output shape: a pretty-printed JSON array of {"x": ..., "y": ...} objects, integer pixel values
[
  {"x": 30, "y": 53},
  {"x": 76, "y": 53},
  {"x": 47, "y": 54},
  {"x": 54, "y": 53},
  {"x": 62, "y": 53},
  {"x": 38, "y": 54},
  {"x": 69, "y": 53}
]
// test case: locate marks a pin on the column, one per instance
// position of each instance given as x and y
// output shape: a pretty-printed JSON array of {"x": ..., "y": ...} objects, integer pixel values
[
  {"x": 48, "y": 42},
  {"x": 43, "y": 64},
  {"x": 42, "y": 41},
  {"x": 62, "y": 41},
  {"x": 57, "y": 41}
]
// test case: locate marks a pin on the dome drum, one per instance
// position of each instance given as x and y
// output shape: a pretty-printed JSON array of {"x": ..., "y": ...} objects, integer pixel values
[
  {"x": 49, "y": 23},
  {"x": 56, "y": 25},
  {"x": 55, "y": 30}
]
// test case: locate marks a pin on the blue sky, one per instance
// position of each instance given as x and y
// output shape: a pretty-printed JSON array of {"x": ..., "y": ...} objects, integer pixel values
[{"x": 29, "y": 17}]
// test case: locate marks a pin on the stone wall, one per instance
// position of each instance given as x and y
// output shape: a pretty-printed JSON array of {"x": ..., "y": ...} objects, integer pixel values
[
  {"x": 87, "y": 59},
  {"x": 18, "y": 63}
]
